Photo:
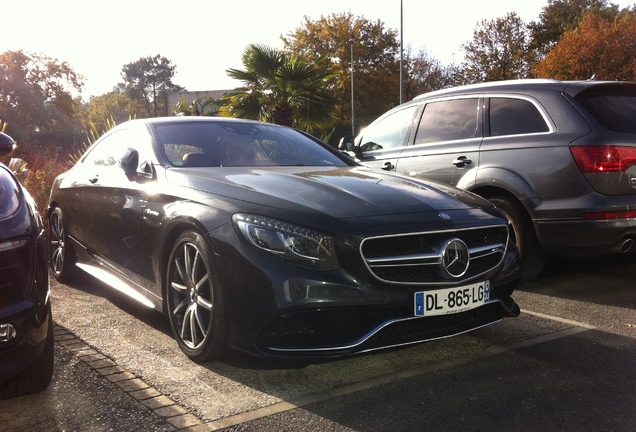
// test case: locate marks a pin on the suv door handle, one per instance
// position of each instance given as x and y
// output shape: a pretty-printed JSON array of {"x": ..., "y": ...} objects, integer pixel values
[
  {"x": 388, "y": 166},
  {"x": 94, "y": 179},
  {"x": 462, "y": 161}
]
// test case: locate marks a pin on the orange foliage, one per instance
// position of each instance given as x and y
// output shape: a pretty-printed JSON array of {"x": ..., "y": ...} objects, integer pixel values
[{"x": 598, "y": 47}]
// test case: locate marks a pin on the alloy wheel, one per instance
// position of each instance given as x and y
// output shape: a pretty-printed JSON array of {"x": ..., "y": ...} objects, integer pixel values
[{"x": 191, "y": 304}]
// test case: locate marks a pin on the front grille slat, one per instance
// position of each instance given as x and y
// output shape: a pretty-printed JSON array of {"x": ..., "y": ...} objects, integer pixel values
[
  {"x": 15, "y": 267},
  {"x": 417, "y": 258}
]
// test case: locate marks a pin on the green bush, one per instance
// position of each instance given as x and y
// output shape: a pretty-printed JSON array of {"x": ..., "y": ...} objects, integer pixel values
[{"x": 44, "y": 163}]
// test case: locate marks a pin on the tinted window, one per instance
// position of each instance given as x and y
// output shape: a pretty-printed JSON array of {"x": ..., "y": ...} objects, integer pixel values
[
  {"x": 615, "y": 111},
  {"x": 515, "y": 117},
  {"x": 448, "y": 121},
  {"x": 388, "y": 132}
]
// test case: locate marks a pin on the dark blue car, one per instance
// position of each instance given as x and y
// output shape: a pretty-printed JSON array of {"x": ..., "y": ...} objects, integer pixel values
[{"x": 26, "y": 326}]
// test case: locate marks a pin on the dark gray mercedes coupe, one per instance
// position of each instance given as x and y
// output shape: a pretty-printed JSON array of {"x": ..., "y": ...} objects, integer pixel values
[{"x": 264, "y": 239}]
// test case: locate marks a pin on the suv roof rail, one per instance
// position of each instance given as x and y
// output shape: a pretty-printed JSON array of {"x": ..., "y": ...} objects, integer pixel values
[{"x": 487, "y": 84}]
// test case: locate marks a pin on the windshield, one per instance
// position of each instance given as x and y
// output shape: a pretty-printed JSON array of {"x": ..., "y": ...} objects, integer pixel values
[{"x": 224, "y": 144}]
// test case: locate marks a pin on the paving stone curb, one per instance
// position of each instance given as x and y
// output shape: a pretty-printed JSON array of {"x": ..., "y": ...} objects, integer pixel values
[{"x": 163, "y": 406}]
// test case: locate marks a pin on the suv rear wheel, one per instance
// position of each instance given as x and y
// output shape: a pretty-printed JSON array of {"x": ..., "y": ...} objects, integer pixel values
[{"x": 522, "y": 233}]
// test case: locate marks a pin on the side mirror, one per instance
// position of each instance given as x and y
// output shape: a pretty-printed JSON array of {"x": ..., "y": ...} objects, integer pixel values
[
  {"x": 7, "y": 145},
  {"x": 346, "y": 143},
  {"x": 146, "y": 171},
  {"x": 129, "y": 162}
]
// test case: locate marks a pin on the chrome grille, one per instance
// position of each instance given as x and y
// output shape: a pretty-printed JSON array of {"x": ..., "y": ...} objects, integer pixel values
[{"x": 416, "y": 258}]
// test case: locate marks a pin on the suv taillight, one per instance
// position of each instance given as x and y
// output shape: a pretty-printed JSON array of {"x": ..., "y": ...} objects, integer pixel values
[{"x": 604, "y": 158}]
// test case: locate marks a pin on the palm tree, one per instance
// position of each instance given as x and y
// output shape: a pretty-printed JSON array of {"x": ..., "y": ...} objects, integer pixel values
[{"x": 280, "y": 88}]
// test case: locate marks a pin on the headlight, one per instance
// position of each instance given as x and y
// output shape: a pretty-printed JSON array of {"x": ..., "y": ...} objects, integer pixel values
[
  {"x": 9, "y": 195},
  {"x": 296, "y": 244}
]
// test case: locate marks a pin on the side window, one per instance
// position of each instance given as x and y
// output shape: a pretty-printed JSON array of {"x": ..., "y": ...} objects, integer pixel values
[
  {"x": 448, "y": 121},
  {"x": 515, "y": 117},
  {"x": 389, "y": 132},
  {"x": 107, "y": 152}
]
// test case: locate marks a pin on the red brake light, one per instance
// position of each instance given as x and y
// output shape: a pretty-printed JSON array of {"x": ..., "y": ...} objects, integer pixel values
[
  {"x": 626, "y": 214},
  {"x": 600, "y": 159}
]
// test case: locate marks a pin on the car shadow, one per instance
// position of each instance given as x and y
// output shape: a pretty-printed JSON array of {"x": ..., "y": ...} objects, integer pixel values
[
  {"x": 88, "y": 284},
  {"x": 587, "y": 278}
]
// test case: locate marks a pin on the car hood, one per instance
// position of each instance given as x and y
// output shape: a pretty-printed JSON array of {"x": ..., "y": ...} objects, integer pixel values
[{"x": 338, "y": 192}]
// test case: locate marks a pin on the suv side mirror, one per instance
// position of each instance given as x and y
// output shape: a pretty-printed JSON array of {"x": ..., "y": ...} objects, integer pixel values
[
  {"x": 346, "y": 143},
  {"x": 7, "y": 145}
]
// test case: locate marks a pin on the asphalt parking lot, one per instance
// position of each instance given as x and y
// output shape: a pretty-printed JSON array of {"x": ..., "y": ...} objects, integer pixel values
[{"x": 567, "y": 363}]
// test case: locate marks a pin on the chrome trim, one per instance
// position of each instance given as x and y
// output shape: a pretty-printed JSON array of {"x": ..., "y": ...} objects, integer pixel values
[
  {"x": 488, "y": 93},
  {"x": 377, "y": 330},
  {"x": 437, "y": 257},
  {"x": 434, "y": 258},
  {"x": 455, "y": 251},
  {"x": 429, "y": 340}
]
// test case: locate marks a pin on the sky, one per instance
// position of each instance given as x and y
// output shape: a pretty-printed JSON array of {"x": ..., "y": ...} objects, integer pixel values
[{"x": 204, "y": 38}]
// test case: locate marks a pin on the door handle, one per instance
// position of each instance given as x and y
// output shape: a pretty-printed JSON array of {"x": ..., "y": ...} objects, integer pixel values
[
  {"x": 93, "y": 179},
  {"x": 388, "y": 166},
  {"x": 462, "y": 161}
]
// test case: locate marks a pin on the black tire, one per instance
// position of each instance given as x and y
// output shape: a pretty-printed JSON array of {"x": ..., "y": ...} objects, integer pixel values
[
  {"x": 61, "y": 252},
  {"x": 194, "y": 299},
  {"x": 37, "y": 376},
  {"x": 522, "y": 232}
]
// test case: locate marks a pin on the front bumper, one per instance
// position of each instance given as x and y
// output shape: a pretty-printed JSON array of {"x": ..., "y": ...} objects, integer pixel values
[
  {"x": 28, "y": 345},
  {"x": 25, "y": 305},
  {"x": 344, "y": 331},
  {"x": 282, "y": 310}
]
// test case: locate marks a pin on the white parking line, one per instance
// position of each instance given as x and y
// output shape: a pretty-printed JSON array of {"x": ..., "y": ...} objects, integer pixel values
[
  {"x": 577, "y": 327},
  {"x": 562, "y": 320}
]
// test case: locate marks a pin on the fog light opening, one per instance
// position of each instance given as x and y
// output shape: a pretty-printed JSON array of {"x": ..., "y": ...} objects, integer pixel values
[{"x": 298, "y": 290}]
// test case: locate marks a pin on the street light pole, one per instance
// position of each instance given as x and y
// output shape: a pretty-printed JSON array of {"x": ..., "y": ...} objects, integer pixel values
[
  {"x": 353, "y": 111},
  {"x": 401, "y": 50}
]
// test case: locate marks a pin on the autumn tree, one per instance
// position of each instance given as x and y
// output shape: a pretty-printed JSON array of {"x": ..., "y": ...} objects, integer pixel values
[
  {"x": 115, "y": 105},
  {"x": 424, "y": 73},
  {"x": 280, "y": 88},
  {"x": 561, "y": 16},
  {"x": 39, "y": 98},
  {"x": 499, "y": 50},
  {"x": 375, "y": 62},
  {"x": 598, "y": 47},
  {"x": 147, "y": 81}
]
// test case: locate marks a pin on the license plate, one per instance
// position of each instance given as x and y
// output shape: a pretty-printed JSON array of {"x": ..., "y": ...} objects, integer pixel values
[{"x": 452, "y": 300}]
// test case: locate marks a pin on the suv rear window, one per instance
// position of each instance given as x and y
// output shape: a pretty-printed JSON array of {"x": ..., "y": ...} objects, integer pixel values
[
  {"x": 515, "y": 117},
  {"x": 614, "y": 109}
]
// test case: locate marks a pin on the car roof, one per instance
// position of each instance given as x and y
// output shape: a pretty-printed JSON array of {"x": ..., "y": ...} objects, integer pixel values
[
  {"x": 522, "y": 85},
  {"x": 189, "y": 119}
]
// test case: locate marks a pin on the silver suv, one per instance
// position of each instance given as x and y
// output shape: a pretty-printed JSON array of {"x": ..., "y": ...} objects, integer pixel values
[{"x": 557, "y": 158}]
